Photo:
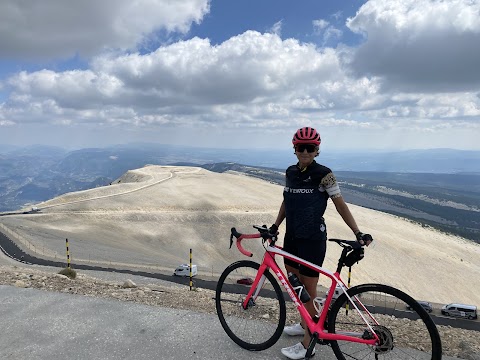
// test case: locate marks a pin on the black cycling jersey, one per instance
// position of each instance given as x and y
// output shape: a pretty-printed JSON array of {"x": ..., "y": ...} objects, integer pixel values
[{"x": 305, "y": 196}]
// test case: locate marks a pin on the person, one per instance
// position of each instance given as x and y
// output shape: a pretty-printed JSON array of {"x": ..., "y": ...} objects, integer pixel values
[{"x": 308, "y": 187}]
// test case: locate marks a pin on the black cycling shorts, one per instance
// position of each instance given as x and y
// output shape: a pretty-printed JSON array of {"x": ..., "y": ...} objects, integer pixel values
[{"x": 312, "y": 250}]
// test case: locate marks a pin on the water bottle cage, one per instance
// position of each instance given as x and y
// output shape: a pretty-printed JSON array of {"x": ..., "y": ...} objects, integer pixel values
[
  {"x": 302, "y": 293},
  {"x": 298, "y": 290}
]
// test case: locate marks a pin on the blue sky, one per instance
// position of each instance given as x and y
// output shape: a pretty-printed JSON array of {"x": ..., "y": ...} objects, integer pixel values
[{"x": 244, "y": 74}]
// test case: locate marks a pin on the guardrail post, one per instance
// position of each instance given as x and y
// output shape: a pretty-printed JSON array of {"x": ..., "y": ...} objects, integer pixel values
[
  {"x": 191, "y": 281},
  {"x": 68, "y": 255}
]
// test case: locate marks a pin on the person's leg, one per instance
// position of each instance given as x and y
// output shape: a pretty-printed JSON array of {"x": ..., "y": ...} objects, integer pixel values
[
  {"x": 299, "y": 349},
  {"x": 312, "y": 250},
  {"x": 291, "y": 269},
  {"x": 290, "y": 246},
  {"x": 310, "y": 284}
]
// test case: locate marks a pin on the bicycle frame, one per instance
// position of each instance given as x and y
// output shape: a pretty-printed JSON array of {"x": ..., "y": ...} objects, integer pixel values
[{"x": 317, "y": 328}]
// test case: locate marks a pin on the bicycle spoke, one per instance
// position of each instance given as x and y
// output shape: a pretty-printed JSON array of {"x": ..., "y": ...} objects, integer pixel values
[
  {"x": 259, "y": 325},
  {"x": 404, "y": 334}
]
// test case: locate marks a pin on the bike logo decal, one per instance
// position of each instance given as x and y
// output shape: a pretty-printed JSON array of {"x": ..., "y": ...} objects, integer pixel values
[{"x": 289, "y": 290}]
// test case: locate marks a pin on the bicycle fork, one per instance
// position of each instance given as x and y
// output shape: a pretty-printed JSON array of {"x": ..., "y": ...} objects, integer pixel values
[{"x": 257, "y": 285}]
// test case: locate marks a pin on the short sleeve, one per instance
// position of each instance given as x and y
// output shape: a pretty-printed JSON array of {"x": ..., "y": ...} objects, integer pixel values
[{"x": 329, "y": 183}]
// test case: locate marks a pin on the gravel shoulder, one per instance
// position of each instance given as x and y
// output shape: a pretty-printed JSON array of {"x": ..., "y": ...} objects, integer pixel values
[{"x": 459, "y": 343}]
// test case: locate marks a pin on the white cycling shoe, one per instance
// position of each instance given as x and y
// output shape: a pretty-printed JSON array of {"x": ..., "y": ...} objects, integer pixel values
[
  {"x": 296, "y": 352},
  {"x": 294, "y": 330}
]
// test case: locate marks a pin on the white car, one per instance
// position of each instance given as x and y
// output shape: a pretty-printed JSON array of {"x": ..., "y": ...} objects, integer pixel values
[
  {"x": 184, "y": 270},
  {"x": 338, "y": 291},
  {"x": 460, "y": 310}
]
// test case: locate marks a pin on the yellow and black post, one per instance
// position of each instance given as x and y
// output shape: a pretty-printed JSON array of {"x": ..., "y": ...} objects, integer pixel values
[
  {"x": 190, "y": 269},
  {"x": 68, "y": 255},
  {"x": 348, "y": 286}
]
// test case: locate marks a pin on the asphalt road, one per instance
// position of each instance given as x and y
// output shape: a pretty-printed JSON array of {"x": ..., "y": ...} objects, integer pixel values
[
  {"x": 10, "y": 249},
  {"x": 37, "y": 324},
  {"x": 41, "y": 325},
  {"x": 54, "y": 326}
]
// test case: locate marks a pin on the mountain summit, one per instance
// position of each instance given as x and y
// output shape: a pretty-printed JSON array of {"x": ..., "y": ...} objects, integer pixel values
[{"x": 150, "y": 217}]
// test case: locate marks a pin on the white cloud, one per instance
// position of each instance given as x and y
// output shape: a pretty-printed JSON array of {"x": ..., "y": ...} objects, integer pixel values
[
  {"x": 251, "y": 68},
  {"x": 332, "y": 33},
  {"x": 56, "y": 28},
  {"x": 419, "y": 45},
  {"x": 6, "y": 123},
  {"x": 250, "y": 81},
  {"x": 277, "y": 28},
  {"x": 326, "y": 31},
  {"x": 319, "y": 24},
  {"x": 253, "y": 84}
]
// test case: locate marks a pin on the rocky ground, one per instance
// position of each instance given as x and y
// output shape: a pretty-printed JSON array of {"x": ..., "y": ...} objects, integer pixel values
[{"x": 456, "y": 342}]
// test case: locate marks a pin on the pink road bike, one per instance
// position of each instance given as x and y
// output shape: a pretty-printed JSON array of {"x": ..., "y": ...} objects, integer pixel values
[{"x": 368, "y": 321}]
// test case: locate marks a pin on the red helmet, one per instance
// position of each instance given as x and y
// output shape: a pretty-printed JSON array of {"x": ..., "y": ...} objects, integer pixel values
[{"x": 306, "y": 135}]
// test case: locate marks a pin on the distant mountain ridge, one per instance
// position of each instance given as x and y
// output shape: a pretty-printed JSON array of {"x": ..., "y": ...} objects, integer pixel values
[
  {"x": 448, "y": 202},
  {"x": 106, "y": 160},
  {"x": 445, "y": 194}
]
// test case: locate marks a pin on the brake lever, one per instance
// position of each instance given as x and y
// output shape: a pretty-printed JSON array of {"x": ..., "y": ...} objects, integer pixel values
[
  {"x": 264, "y": 233},
  {"x": 231, "y": 241},
  {"x": 261, "y": 229}
]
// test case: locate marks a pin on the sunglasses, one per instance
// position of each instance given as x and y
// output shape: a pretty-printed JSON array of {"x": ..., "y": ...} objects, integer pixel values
[{"x": 309, "y": 147}]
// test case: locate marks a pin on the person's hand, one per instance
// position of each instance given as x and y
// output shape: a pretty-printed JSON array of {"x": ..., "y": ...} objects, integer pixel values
[
  {"x": 273, "y": 230},
  {"x": 364, "y": 239}
]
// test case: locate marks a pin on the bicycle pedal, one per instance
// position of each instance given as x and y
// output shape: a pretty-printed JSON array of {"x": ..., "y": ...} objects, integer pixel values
[
  {"x": 311, "y": 348},
  {"x": 323, "y": 342}
]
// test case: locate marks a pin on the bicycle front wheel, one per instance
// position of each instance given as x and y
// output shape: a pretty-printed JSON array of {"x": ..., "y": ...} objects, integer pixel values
[
  {"x": 404, "y": 328},
  {"x": 259, "y": 325}
]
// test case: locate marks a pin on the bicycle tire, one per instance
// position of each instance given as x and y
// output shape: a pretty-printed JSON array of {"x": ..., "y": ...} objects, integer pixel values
[
  {"x": 404, "y": 333},
  {"x": 259, "y": 326}
]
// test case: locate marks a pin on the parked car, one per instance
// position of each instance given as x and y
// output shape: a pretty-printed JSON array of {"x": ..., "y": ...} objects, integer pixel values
[
  {"x": 338, "y": 291},
  {"x": 460, "y": 310},
  {"x": 425, "y": 304},
  {"x": 245, "y": 281},
  {"x": 184, "y": 270}
]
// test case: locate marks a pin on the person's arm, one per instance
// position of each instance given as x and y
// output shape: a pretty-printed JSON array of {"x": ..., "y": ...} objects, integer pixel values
[
  {"x": 330, "y": 184},
  {"x": 345, "y": 213},
  {"x": 347, "y": 216},
  {"x": 281, "y": 215}
]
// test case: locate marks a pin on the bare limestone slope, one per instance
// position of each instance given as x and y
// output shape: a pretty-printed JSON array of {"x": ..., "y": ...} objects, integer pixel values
[{"x": 151, "y": 217}]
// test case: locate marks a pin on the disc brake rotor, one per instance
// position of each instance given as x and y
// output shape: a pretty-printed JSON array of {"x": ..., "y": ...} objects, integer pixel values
[{"x": 385, "y": 337}]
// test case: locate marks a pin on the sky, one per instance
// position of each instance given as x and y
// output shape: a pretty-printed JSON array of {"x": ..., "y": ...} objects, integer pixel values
[{"x": 385, "y": 75}]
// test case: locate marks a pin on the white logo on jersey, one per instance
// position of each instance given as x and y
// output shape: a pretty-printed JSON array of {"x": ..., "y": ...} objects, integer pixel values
[{"x": 298, "y": 191}]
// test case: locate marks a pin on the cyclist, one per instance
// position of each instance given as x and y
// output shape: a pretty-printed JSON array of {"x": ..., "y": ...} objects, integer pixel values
[{"x": 308, "y": 187}]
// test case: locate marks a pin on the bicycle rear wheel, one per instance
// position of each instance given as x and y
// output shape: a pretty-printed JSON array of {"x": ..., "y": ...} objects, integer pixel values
[
  {"x": 260, "y": 325},
  {"x": 404, "y": 334}
]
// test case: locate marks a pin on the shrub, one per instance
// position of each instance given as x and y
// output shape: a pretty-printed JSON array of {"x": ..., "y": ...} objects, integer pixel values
[{"x": 69, "y": 272}]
